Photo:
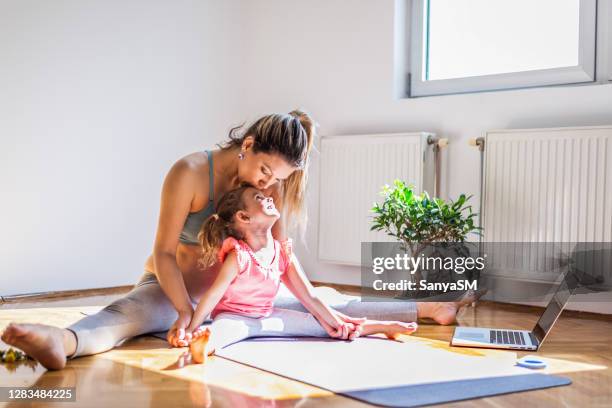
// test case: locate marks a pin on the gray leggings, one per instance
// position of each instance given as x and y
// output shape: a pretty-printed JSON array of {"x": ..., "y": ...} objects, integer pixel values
[
  {"x": 146, "y": 309},
  {"x": 230, "y": 328}
]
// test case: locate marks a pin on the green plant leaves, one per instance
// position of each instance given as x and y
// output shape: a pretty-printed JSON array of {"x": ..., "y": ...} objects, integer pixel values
[{"x": 419, "y": 218}]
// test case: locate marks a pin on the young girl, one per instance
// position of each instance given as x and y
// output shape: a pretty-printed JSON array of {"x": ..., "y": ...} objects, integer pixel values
[{"x": 253, "y": 264}]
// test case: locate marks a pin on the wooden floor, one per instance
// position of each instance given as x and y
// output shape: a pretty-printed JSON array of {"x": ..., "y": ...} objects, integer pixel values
[{"x": 145, "y": 372}]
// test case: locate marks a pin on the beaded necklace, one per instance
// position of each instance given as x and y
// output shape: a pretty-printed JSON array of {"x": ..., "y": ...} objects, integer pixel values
[{"x": 250, "y": 251}]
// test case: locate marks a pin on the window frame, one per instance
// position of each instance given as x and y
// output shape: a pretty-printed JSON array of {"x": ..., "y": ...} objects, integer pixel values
[
  {"x": 604, "y": 41},
  {"x": 585, "y": 72}
]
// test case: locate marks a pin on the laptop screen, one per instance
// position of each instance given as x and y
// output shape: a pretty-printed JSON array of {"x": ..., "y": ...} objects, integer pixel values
[{"x": 555, "y": 306}]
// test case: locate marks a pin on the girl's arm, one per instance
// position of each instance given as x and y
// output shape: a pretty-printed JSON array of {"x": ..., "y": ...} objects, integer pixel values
[
  {"x": 335, "y": 323},
  {"x": 213, "y": 295},
  {"x": 296, "y": 281}
]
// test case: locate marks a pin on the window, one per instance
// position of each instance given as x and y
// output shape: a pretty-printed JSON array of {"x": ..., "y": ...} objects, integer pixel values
[{"x": 459, "y": 46}]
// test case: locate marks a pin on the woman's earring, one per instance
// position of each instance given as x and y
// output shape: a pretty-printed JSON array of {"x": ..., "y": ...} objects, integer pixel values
[{"x": 241, "y": 156}]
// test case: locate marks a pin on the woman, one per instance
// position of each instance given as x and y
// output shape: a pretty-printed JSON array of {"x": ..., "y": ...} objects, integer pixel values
[{"x": 272, "y": 155}]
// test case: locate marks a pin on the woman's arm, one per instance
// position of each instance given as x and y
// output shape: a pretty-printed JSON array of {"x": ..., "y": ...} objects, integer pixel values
[
  {"x": 177, "y": 195},
  {"x": 213, "y": 295}
]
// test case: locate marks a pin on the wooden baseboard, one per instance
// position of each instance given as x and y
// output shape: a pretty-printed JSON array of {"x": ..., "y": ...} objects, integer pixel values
[
  {"x": 348, "y": 289},
  {"x": 118, "y": 290},
  {"x": 66, "y": 294},
  {"x": 114, "y": 290},
  {"x": 356, "y": 290}
]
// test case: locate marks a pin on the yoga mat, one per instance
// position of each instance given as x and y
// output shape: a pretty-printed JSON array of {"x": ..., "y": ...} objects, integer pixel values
[
  {"x": 451, "y": 391},
  {"x": 383, "y": 372}
]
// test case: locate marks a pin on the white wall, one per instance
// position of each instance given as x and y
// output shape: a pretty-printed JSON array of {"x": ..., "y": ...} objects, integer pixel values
[
  {"x": 97, "y": 99},
  {"x": 335, "y": 58}
]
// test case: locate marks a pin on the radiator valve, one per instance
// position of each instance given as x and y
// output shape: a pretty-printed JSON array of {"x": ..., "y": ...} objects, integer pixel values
[
  {"x": 437, "y": 142},
  {"x": 477, "y": 141}
]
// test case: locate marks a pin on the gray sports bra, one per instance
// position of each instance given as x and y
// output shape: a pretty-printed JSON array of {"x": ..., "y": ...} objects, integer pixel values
[{"x": 194, "y": 221}]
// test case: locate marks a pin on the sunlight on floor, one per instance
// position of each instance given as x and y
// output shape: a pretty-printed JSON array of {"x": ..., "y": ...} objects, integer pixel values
[{"x": 146, "y": 369}]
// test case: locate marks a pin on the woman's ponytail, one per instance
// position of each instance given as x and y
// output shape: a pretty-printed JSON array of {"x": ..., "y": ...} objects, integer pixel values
[
  {"x": 309, "y": 126},
  {"x": 294, "y": 187}
]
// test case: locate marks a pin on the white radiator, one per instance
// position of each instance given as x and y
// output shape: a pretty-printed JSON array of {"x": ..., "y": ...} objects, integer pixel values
[
  {"x": 353, "y": 170},
  {"x": 546, "y": 186}
]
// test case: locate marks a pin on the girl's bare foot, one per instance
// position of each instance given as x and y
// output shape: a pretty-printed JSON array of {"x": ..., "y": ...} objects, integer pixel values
[
  {"x": 197, "y": 347},
  {"x": 390, "y": 329},
  {"x": 46, "y": 344}
]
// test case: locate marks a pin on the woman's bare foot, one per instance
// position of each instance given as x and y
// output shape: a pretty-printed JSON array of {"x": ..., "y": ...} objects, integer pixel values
[
  {"x": 197, "y": 347},
  {"x": 46, "y": 344},
  {"x": 390, "y": 329},
  {"x": 445, "y": 313}
]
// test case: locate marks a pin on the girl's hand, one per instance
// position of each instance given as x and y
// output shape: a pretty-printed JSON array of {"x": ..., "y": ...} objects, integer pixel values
[
  {"x": 178, "y": 336},
  {"x": 342, "y": 326},
  {"x": 341, "y": 330},
  {"x": 355, "y": 321}
]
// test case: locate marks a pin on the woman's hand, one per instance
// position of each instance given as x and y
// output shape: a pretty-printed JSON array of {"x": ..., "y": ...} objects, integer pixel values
[{"x": 178, "y": 336}]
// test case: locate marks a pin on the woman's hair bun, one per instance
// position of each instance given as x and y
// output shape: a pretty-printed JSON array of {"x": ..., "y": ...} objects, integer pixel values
[{"x": 306, "y": 120}]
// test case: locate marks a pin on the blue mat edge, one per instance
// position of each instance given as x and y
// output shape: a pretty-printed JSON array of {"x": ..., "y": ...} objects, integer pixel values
[{"x": 451, "y": 391}]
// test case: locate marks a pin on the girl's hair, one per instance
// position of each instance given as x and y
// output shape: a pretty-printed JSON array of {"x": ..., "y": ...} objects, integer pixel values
[
  {"x": 219, "y": 226},
  {"x": 291, "y": 136}
]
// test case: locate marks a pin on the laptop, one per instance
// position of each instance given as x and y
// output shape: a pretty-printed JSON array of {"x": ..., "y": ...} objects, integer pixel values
[{"x": 519, "y": 339}]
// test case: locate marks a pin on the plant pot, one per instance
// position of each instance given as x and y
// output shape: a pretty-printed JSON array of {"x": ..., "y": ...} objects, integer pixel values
[{"x": 437, "y": 255}]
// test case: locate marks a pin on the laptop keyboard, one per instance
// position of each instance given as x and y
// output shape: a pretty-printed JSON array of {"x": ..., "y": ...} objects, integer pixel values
[{"x": 507, "y": 337}]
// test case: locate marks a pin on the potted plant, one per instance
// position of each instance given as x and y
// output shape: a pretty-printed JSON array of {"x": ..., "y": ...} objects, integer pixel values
[{"x": 418, "y": 221}]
